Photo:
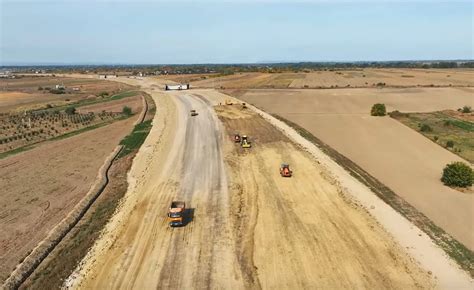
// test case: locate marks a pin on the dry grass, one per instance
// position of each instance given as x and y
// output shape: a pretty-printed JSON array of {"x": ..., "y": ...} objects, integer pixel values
[{"x": 360, "y": 78}]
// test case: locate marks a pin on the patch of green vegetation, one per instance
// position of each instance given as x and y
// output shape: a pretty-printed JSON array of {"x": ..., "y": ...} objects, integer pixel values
[
  {"x": 127, "y": 111},
  {"x": 454, "y": 134},
  {"x": 458, "y": 174},
  {"x": 124, "y": 95},
  {"x": 465, "y": 125},
  {"x": 378, "y": 110},
  {"x": 463, "y": 256},
  {"x": 16, "y": 151},
  {"x": 135, "y": 139}
]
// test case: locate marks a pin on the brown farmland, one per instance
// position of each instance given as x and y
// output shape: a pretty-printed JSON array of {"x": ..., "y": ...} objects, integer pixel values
[
  {"x": 23, "y": 93},
  {"x": 400, "y": 157},
  {"x": 360, "y": 78},
  {"x": 41, "y": 186}
]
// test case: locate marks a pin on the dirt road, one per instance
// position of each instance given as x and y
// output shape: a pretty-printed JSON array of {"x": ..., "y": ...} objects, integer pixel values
[
  {"x": 192, "y": 169},
  {"x": 248, "y": 228}
]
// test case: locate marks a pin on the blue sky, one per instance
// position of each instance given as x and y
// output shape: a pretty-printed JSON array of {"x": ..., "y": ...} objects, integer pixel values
[{"x": 162, "y": 32}]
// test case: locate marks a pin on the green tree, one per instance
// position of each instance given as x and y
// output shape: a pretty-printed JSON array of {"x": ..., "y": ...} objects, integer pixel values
[
  {"x": 127, "y": 110},
  {"x": 458, "y": 174},
  {"x": 378, "y": 110},
  {"x": 70, "y": 110},
  {"x": 466, "y": 109},
  {"x": 425, "y": 128}
]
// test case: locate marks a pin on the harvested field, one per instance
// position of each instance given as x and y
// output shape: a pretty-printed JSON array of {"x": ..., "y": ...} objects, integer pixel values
[
  {"x": 64, "y": 258},
  {"x": 360, "y": 78},
  {"x": 115, "y": 106},
  {"x": 184, "y": 78},
  {"x": 399, "y": 157},
  {"x": 24, "y": 93},
  {"x": 249, "y": 80},
  {"x": 358, "y": 101},
  {"x": 42, "y": 185},
  {"x": 390, "y": 77}
]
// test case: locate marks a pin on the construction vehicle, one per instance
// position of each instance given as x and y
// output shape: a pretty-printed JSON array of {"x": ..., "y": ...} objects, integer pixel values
[
  {"x": 285, "y": 170},
  {"x": 245, "y": 143},
  {"x": 193, "y": 113},
  {"x": 176, "y": 213},
  {"x": 236, "y": 138},
  {"x": 228, "y": 102}
]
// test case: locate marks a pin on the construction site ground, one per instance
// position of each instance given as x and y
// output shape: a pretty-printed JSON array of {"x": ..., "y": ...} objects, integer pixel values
[
  {"x": 400, "y": 157},
  {"x": 247, "y": 227}
]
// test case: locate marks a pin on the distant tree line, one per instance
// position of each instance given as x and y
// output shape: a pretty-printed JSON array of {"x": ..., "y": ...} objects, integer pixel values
[{"x": 226, "y": 69}]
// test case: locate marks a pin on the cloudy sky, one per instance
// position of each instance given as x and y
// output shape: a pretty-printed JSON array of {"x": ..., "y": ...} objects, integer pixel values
[{"x": 167, "y": 32}]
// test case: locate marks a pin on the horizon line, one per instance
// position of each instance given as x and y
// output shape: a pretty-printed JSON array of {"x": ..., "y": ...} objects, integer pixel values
[{"x": 26, "y": 64}]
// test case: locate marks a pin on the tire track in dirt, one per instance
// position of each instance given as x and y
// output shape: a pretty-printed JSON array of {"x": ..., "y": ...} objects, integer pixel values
[{"x": 306, "y": 233}]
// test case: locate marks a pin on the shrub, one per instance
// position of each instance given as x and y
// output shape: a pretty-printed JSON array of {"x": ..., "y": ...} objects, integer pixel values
[
  {"x": 40, "y": 88},
  {"x": 466, "y": 109},
  {"x": 103, "y": 94},
  {"x": 447, "y": 123},
  {"x": 425, "y": 128},
  {"x": 378, "y": 110},
  {"x": 70, "y": 110},
  {"x": 458, "y": 174},
  {"x": 450, "y": 144},
  {"x": 435, "y": 138},
  {"x": 57, "y": 91},
  {"x": 127, "y": 111}
]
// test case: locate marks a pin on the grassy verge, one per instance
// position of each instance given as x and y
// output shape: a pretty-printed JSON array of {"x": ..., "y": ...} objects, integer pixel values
[
  {"x": 457, "y": 251},
  {"x": 135, "y": 139},
  {"x": 124, "y": 95},
  {"x": 441, "y": 128}
]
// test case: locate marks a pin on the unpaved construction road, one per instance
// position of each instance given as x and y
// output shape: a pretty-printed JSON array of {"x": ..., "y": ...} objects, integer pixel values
[{"x": 249, "y": 228}]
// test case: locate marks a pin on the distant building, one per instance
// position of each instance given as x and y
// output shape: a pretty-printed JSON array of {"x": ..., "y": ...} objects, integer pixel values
[
  {"x": 5, "y": 74},
  {"x": 107, "y": 76},
  {"x": 177, "y": 87}
]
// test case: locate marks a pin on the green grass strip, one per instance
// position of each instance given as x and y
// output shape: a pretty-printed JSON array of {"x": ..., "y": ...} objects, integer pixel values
[
  {"x": 465, "y": 125},
  {"x": 135, "y": 139}
]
